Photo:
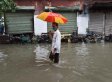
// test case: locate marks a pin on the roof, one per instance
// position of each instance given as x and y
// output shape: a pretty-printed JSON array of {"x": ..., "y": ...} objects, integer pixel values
[{"x": 97, "y": 3}]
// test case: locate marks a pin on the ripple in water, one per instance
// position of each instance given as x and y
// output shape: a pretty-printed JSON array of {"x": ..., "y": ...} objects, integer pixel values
[
  {"x": 41, "y": 59},
  {"x": 41, "y": 54},
  {"x": 82, "y": 50},
  {"x": 2, "y": 56}
]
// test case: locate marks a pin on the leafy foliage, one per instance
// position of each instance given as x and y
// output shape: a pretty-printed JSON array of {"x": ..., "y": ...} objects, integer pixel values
[{"x": 7, "y": 5}]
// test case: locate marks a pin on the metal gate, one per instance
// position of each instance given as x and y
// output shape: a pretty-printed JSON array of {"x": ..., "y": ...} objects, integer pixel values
[
  {"x": 19, "y": 22},
  {"x": 96, "y": 22},
  {"x": 108, "y": 23},
  {"x": 70, "y": 25}
]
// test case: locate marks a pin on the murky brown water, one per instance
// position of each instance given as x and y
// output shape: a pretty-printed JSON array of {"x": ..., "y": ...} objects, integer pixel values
[{"x": 78, "y": 63}]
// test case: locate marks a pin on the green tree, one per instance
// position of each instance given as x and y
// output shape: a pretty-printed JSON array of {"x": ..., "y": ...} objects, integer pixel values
[{"x": 7, "y": 5}]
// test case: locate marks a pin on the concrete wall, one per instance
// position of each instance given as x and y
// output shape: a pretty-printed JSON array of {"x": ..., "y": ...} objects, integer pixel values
[
  {"x": 82, "y": 23},
  {"x": 39, "y": 26},
  {"x": 40, "y": 4}
]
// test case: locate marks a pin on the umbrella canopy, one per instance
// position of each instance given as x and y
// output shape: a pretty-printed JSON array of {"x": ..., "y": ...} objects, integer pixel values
[{"x": 52, "y": 17}]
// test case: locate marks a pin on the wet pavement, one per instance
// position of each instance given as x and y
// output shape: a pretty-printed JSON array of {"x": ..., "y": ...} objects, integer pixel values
[{"x": 78, "y": 63}]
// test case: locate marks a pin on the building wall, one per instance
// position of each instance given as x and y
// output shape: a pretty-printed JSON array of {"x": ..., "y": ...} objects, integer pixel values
[
  {"x": 98, "y": 1},
  {"x": 90, "y": 3},
  {"x": 82, "y": 23},
  {"x": 40, "y": 4}
]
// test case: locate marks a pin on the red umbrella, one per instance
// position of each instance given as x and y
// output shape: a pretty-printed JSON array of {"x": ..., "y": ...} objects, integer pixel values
[{"x": 52, "y": 17}]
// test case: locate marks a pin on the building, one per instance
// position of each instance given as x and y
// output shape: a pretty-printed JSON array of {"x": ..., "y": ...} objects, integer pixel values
[
  {"x": 69, "y": 9},
  {"x": 22, "y": 21},
  {"x": 100, "y": 16}
]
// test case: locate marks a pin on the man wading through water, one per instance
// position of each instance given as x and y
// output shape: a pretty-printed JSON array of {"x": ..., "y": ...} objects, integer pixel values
[{"x": 56, "y": 44}]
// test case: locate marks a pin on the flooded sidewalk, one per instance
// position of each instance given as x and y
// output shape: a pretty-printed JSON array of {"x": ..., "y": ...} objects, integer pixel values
[{"x": 78, "y": 63}]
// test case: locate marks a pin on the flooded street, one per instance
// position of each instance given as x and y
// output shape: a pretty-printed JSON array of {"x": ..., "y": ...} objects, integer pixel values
[{"x": 78, "y": 63}]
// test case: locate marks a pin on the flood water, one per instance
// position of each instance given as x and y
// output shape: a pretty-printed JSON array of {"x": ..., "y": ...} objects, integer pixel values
[{"x": 78, "y": 63}]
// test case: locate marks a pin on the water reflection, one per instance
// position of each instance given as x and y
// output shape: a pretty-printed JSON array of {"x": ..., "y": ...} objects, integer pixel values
[
  {"x": 42, "y": 58},
  {"x": 2, "y": 56},
  {"x": 78, "y": 63},
  {"x": 82, "y": 50},
  {"x": 41, "y": 53},
  {"x": 82, "y": 59}
]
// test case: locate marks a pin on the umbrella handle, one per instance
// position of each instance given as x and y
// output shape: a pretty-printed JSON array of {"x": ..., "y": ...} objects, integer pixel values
[{"x": 50, "y": 10}]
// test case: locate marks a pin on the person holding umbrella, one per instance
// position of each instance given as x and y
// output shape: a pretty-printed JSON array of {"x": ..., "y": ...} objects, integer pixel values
[
  {"x": 56, "y": 44},
  {"x": 55, "y": 19}
]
